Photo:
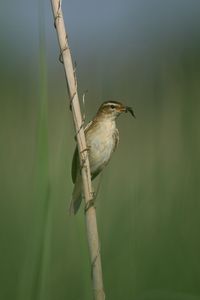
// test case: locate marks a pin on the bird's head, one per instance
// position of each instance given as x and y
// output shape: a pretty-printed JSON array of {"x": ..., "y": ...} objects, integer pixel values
[{"x": 113, "y": 109}]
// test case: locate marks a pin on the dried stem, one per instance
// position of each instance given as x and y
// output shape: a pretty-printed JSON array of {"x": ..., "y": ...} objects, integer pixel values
[{"x": 91, "y": 223}]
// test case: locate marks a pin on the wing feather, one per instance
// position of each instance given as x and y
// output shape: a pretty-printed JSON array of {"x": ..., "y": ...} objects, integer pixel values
[
  {"x": 116, "y": 139},
  {"x": 75, "y": 161},
  {"x": 75, "y": 165}
]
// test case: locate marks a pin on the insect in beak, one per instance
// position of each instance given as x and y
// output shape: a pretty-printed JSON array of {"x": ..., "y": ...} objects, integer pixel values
[{"x": 129, "y": 109}]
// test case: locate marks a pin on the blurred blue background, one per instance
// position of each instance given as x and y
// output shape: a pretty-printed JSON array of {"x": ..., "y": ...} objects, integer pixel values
[{"x": 145, "y": 54}]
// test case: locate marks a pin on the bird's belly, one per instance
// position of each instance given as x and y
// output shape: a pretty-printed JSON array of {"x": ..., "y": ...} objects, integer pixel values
[{"x": 100, "y": 151}]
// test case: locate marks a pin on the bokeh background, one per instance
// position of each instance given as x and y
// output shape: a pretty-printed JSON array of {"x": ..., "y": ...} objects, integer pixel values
[{"x": 146, "y": 54}]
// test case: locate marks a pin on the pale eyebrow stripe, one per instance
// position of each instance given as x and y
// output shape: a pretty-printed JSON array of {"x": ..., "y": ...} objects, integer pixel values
[{"x": 110, "y": 103}]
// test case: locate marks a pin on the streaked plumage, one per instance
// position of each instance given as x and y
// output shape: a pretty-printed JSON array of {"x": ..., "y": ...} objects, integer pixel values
[{"x": 102, "y": 138}]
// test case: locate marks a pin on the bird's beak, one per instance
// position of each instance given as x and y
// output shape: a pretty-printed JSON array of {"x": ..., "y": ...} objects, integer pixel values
[{"x": 129, "y": 109}]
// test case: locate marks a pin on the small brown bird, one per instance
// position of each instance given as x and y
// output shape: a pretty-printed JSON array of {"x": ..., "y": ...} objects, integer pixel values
[{"x": 102, "y": 138}]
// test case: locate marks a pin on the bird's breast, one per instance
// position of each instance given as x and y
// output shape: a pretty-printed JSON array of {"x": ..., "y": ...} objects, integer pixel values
[{"x": 101, "y": 141}]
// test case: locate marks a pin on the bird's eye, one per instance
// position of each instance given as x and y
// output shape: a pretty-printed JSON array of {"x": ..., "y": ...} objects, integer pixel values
[{"x": 112, "y": 106}]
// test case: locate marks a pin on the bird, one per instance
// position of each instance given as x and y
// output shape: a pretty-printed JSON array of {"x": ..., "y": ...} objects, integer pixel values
[{"x": 102, "y": 138}]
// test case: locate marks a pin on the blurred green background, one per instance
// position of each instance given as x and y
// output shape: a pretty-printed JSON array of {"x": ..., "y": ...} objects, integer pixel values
[{"x": 146, "y": 54}]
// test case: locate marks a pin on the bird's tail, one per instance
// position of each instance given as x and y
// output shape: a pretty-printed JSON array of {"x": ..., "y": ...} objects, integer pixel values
[{"x": 76, "y": 196}]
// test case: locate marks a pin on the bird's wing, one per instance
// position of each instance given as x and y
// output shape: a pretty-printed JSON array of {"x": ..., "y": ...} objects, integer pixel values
[
  {"x": 116, "y": 139},
  {"x": 75, "y": 165},
  {"x": 75, "y": 161}
]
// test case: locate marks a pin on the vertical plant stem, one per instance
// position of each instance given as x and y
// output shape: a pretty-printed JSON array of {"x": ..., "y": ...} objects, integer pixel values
[
  {"x": 91, "y": 222},
  {"x": 34, "y": 270}
]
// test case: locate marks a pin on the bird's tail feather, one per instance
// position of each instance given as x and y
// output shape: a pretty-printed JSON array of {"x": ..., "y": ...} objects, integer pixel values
[{"x": 76, "y": 197}]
